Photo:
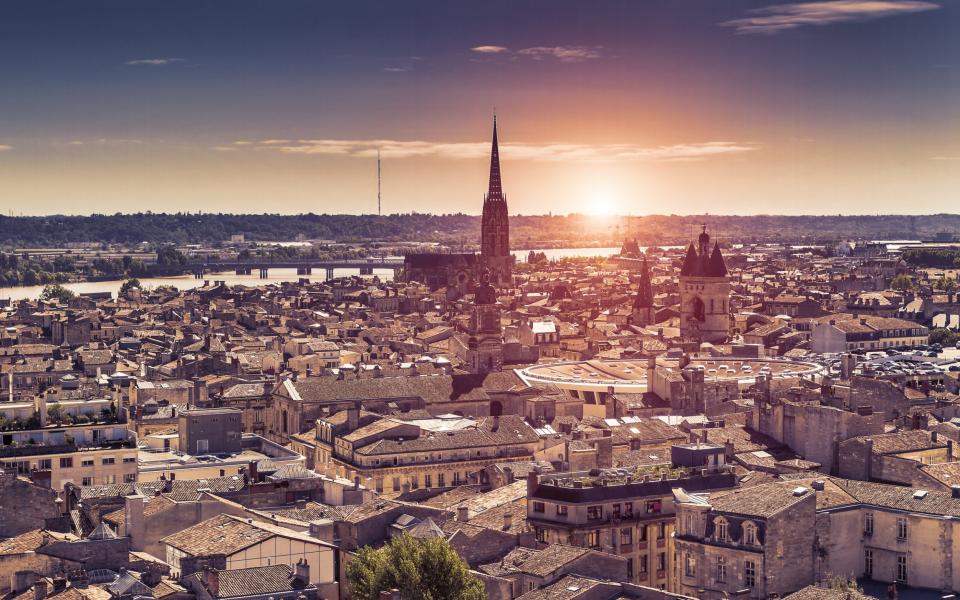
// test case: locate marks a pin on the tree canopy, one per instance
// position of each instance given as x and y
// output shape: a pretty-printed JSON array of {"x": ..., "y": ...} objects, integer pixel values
[
  {"x": 56, "y": 291},
  {"x": 420, "y": 569}
]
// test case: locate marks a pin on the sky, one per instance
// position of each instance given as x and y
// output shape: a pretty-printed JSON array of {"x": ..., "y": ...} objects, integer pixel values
[{"x": 604, "y": 106}]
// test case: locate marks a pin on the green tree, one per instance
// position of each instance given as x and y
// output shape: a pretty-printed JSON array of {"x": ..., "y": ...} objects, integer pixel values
[
  {"x": 420, "y": 569},
  {"x": 56, "y": 291},
  {"x": 129, "y": 285},
  {"x": 55, "y": 412},
  {"x": 901, "y": 283}
]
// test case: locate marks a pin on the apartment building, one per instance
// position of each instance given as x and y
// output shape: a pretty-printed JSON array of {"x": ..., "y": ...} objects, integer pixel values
[
  {"x": 625, "y": 512},
  {"x": 89, "y": 454}
]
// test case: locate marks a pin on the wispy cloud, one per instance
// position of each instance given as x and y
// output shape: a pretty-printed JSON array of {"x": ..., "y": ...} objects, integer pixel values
[
  {"x": 946, "y": 157},
  {"x": 471, "y": 150},
  {"x": 397, "y": 69},
  {"x": 5, "y": 147},
  {"x": 153, "y": 62},
  {"x": 101, "y": 142},
  {"x": 564, "y": 54},
  {"x": 490, "y": 49},
  {"x": 783, "y": 17}
]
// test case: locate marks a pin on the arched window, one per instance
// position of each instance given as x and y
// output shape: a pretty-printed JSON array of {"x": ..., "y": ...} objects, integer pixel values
[
  {"x": 749, "y": 534},
  {"x": 720, "y": 531}
]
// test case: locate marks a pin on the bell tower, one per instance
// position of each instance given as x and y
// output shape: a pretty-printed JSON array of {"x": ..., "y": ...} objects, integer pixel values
[
  {"x": 642, "y": 315},
  {"x": 495, "y": 224},
  {"x": 704, "y": 293}
]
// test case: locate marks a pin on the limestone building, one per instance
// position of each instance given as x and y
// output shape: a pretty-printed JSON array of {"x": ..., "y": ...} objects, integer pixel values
[{"x": 704, "y": 293}]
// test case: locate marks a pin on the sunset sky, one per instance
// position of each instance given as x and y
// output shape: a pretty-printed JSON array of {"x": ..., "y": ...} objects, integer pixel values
[{"x": 633, "y": 106}]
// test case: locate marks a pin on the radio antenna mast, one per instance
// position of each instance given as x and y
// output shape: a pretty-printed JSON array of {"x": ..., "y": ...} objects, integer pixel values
[{"x": 379, "y": 213}]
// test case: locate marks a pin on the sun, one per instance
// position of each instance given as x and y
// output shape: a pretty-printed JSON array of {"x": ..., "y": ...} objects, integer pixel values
[{"x": 602, "y": 204}]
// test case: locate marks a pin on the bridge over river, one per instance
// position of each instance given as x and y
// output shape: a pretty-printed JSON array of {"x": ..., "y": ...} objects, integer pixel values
[{"x": 365, "y": 266}]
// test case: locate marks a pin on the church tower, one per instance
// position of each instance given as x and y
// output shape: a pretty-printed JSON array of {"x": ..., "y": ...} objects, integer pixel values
[
  {"x": 485, "y": 344},
  {"x": 704, "y": 293},
  {"x": 495, "y": 225},
  {"x": 643, "y": 315}
]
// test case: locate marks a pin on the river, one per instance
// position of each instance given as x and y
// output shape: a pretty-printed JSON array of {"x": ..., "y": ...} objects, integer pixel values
[{"x": 185, "y": 282}]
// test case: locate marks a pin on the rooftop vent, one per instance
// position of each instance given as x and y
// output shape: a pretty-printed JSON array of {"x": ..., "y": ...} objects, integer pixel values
[
  {"x": 818, "y": 485},
  {"x": 800, "y": 491},
  {"x": 920, "y": 494}
]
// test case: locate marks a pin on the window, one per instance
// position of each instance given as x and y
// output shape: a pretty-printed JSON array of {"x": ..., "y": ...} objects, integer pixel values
[
  {"x": 594, "y": 513},
  {"x": 629, "y": 568},
  {"x": 414, "y": 482},
  {"x": 721, "y": 532},
  {"x": 689, "y": 566},
  {"x": 110, "y": 479},
  {"x": 561, "y": 510},
  {"x": 87, "y": 462},
  {"x": 67, "y": 463},
  {"x": 441, "y": 480},
  {"x": 868, "y": 523},
  {"x": 661, "y": 531},
  {"x": 45, "y": 464},
  {"x": 130, "y": 478},
  {"x": 654, "y": 507},
  {"x": 538, "y": 507},
  {"x": 541, "y": 535},
  {"x": 86, "y": 481},
  {"x": 593, "y": 538},
  {"x": 615, "y": 511},
  {"x": 642, "y": 533},
  {"x": 750, "y": 574},
  {"x": 396, "y": 484},
  {"x": 109, "y": 461},
  {"x": 721, "y": 569},
  {"x": 129, "y": 459},
  {"x": 868, "y": 563},
  {"x": 428, "y": 480},
  {"x": 626, "y": 536},
  {"x": 643, "y": 564},
  {"x": 662, "y": 561},
  {"x": 749, "y": 534},
  {"x": 901, "y": 528},
  {"x": 902, "y": 569},
  {"x": 627, "y": 510}
]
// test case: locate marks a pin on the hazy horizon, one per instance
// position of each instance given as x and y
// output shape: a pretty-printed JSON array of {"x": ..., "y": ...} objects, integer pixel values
[{"x": 607, "y": 107}]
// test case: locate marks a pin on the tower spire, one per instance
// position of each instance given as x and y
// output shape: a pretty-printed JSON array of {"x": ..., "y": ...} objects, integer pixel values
[{"x": 494, "y": 190}]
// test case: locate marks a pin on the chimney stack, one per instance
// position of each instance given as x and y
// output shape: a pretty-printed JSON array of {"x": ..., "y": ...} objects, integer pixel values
[
  {"x": 134, "y": 523},
  {"x": 40, "y": 588},
  {"x": 463, "y": 513}
]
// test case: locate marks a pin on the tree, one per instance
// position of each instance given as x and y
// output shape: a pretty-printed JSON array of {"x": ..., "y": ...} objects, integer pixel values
[
  {"x": 56, "y": 291},
  {"x": 129, "y": 285},
  {"x": 902, "y": 283},
  {"x": 420, "y": 569}
]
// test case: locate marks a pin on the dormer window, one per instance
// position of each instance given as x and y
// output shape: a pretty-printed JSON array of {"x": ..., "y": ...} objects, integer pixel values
[
  {"x": 750, "y": 534},
  {"x": 721, "y": 529}
]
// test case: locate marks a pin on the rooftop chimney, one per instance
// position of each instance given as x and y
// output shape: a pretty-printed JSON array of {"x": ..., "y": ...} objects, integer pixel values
[
  {"x": 507, "y": 521},
  {"x": 463, "y": 513},
  {"x": 40, "y": 589}
]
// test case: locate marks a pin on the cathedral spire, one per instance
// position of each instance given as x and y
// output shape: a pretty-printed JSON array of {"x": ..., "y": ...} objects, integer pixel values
[{"x": 494, "y": 191}]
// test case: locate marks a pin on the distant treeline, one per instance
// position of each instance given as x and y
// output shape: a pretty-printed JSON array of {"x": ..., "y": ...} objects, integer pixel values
[
  {"x": 526, "y": 231},
  {"x": 942, "y": 258}
]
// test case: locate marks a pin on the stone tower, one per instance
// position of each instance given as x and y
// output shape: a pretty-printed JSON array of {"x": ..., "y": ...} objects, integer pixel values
[
  {"x": 643, "y": 314},
  {"x": 485, "y": 344},
  {"x": 704, "y": 293},
  {"x": 495, "y": 225}
]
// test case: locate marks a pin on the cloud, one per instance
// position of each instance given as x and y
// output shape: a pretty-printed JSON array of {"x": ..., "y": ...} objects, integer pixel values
[
  {"x": 783, "y": 17},
  {"x": 564, "y": 54},
  {"x": 5, "y": 147},
  {"x": 394, "y": 149},
  {"x": 946, "y": 157},
  {"x": 102, "y": 142},
  {"x": 397, "y": 69},
  {"x": 490, "y": 49},
  {"x": 153, "y": 62}
]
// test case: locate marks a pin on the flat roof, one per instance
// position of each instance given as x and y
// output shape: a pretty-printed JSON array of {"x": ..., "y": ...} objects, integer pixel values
[{"x": 630, "y": 375}]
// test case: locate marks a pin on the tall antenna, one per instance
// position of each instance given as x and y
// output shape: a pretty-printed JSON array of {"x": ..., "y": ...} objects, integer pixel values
[{"x": 379, "y": 213}]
